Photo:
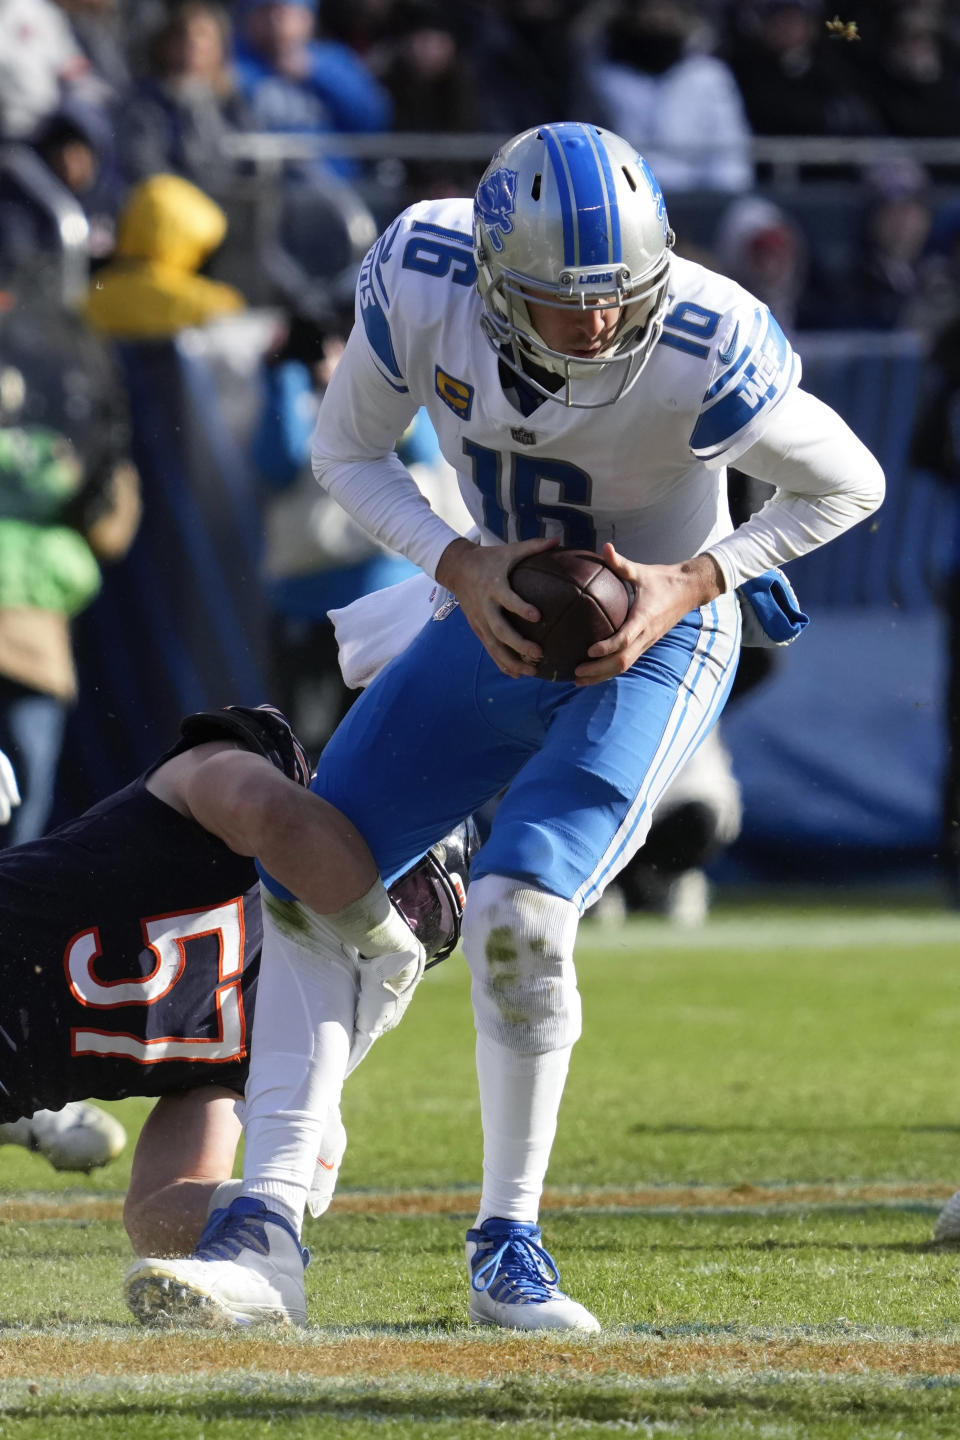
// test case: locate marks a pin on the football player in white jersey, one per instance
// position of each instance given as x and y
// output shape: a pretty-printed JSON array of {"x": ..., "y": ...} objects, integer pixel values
[{"x": 589, "y": 388}]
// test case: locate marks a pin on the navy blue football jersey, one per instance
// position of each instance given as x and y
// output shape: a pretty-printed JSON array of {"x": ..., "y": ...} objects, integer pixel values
[{"x": 129, "y": 950}]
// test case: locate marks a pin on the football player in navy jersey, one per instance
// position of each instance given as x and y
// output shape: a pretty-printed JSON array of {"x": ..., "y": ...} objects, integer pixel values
[
  {"x": 589, "y": 388},
  {"x": 78, "y": 1136},
  {"x": 131, "y": 951}
]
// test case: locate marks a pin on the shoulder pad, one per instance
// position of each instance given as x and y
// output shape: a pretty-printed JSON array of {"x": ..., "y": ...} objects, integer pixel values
[
  {"x": 262, "y": 729},
  {"x": 754, "y": 366},
  {"x": 431, "y": 239}
]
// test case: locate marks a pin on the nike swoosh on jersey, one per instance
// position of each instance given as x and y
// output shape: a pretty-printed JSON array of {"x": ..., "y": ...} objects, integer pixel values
[
  {"x": 727, "y": 353},
  {"x": 327, "y": 1164}
]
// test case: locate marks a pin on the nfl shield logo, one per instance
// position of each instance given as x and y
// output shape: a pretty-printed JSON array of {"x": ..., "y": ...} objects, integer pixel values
[{"x": 523, "y": 437}]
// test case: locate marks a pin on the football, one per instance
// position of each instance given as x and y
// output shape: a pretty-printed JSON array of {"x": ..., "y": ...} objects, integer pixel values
[{"x": 580, "y": 600}]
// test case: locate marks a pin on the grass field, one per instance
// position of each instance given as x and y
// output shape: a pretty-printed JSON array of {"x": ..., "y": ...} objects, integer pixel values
[{"x": 761, "y": 1122}]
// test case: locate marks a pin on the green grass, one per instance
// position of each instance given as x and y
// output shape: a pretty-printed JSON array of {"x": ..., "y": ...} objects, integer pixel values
[
  {"x": 244, "y": 1408},
  {"x": 823, "y": 1270},
  {"x": 774, "y": 1050},
  {"x": 752, "y": 1057}
]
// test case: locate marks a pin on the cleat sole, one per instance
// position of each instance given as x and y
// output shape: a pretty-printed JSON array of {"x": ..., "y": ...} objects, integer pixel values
[{"x": 161, "y": 1302}]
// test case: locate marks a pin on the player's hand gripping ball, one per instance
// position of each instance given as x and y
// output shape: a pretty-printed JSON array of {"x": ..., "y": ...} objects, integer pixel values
[{"x": 580, "y": 600}]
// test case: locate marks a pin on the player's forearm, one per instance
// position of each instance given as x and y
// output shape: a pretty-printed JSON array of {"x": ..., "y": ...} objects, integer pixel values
[
  {"x": 826, "y": 481},
  {"x": 449, "y": 566},
  {"x": 383, "y": 497},
  {"x": 306, "y": 844},
  {"x": 703, "y": 580},
  {"x": 786, "y": 527},
  {"x": 354, "y": 458},
  {"x": 314, "y": 851}
]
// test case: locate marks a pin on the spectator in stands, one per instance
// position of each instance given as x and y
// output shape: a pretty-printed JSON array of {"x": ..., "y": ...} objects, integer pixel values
[
  {"x": 936, "y": 448},
  {"x": 40, "y": 59},
  {"x": 98, "y": 28},
  {"x": 175, "y": 119},
  {"x": 939, "y": 299},
  {"x": 421, "y": 61},
  {"x": 69, "y": 500},
  {"x": 361, "y": 24},
  {"x": 71, "y": 158},
  {"x": 526, "y": 58},
  {"x": 885, "y": 287},
  {"x": 913, "y": 73},
  {"x": 762, "y": 247},
  {"x": 150, "y": 290},
  {"x": 316, "y": 557},
  {"x": 76, "y": 141},
  {"x": 295, "y": 84},
  {"x": 651, "y": 79},
  {"x": 140, "y": 21},
  {"x": 793, "y": 78}
]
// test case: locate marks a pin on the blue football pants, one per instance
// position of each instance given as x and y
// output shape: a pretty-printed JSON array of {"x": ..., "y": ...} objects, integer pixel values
[{"x": 441, "y": 731}]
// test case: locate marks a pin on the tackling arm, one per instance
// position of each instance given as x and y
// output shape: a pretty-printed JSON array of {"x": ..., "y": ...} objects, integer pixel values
[{"x": 306, "y": 844}]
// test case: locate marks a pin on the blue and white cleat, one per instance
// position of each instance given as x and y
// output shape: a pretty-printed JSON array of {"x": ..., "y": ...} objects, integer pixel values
[
  {"x": 247, "y": 1268},
  {"x": 515, "y": 1284}
]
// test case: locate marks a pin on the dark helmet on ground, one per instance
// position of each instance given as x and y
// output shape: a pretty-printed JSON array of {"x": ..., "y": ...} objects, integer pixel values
[{"x": 432, "y": 893}]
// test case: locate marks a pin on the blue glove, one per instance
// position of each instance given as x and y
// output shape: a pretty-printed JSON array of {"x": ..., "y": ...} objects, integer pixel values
[{"x": 769, "y": 611}]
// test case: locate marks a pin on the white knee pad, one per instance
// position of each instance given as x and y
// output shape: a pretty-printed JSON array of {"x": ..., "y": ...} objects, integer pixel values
[{"x": 518, "y": 942}]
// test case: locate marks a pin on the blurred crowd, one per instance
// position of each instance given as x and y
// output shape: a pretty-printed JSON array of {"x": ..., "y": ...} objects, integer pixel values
[
  {"x": 99, "y": 96},
  {"x": 134, "y": 205}
]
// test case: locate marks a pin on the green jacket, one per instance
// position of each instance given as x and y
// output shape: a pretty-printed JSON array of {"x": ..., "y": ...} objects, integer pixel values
[{"x": 44, "y": 565}]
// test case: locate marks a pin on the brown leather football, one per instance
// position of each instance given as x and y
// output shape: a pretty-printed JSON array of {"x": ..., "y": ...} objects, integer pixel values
[{"x": 580, "y": 601}]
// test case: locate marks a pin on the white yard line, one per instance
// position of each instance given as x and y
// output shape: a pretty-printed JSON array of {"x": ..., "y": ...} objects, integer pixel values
[{"x": 780, "y": 930}]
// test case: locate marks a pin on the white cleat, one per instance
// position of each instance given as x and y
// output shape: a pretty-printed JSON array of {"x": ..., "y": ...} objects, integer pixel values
[
  {"x": 78, "y": 1137},
  {"x": 515, "y": 1284},
  {"x": 948, "y": 1221},
  {"x": 247, "y": 1269}
]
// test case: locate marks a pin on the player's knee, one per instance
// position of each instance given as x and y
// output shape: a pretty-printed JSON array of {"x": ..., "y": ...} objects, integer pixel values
[{"x": 518, "y": 942}]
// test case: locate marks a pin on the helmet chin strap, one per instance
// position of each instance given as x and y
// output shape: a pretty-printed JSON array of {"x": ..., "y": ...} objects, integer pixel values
[
  {"x": 556, "y": 383},
  {"x": 507, "y": 324}
]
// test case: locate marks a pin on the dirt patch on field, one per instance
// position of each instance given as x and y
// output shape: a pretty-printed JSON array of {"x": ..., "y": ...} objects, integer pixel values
[
  {"x": 35, "y": 1357},
  {"x": 437, "y": 1202},
  {"x": 60, "y": 1207},
  {"x": 20, "y": 1209}
]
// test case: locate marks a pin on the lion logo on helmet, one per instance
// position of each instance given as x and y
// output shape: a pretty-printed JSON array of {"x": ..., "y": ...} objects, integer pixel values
[{"x": 495, "y": 203}]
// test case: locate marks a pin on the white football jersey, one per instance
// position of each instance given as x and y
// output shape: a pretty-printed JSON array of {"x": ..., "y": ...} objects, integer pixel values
[{"x": 646, "y": 473}]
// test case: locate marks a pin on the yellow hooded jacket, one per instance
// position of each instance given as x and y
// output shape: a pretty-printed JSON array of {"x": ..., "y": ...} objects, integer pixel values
[{"x": 150, "y": 289}]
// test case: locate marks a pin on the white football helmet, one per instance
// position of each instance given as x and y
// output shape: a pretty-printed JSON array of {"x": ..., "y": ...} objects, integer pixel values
[{"x": 570, "y": 214}]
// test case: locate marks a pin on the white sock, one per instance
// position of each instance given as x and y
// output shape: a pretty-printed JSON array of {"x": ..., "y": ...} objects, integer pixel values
[
  {"x": 519, "y": 1102},
  {"x": 306, "y": 1000}
]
